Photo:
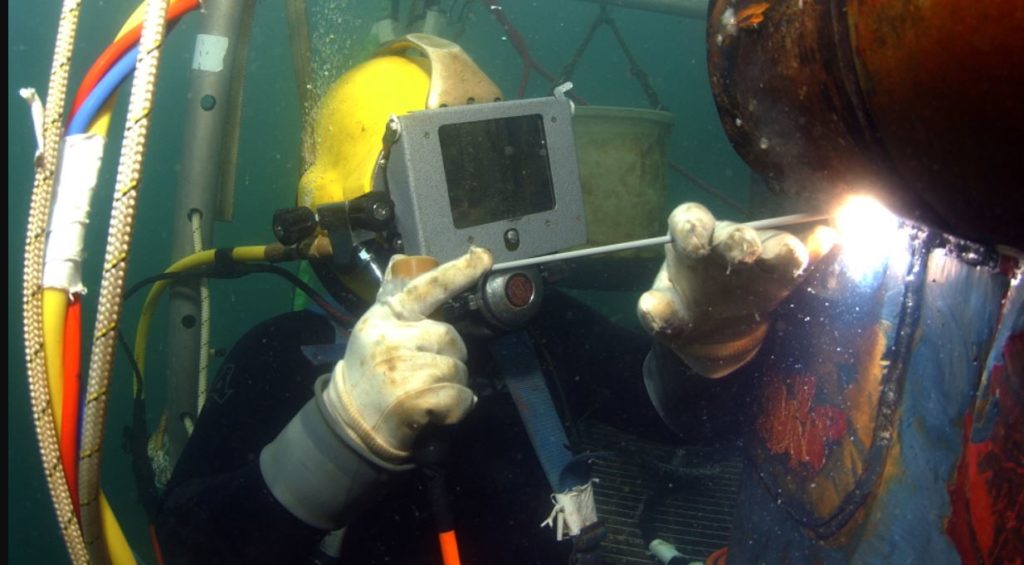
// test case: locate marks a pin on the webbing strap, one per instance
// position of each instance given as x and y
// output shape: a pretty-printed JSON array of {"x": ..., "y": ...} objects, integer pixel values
[{"x": 522, "y": 373}]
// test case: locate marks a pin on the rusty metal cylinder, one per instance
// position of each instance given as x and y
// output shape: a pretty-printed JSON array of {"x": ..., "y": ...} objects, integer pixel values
[{"x": 918, "y": 101}]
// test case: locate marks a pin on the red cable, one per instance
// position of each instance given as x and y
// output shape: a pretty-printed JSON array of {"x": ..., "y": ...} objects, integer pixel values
[
  {"x": 72, "y": 370},
  {"x": 118, "y": 48}
]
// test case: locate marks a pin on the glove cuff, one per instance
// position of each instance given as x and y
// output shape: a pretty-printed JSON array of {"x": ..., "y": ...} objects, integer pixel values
[
  {"x": 341, "y": 404},
  {"x": 318, "y": 472},
  {"x": 716, "y": 360}
]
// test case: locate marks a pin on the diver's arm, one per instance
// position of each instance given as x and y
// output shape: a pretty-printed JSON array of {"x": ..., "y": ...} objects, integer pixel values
[
  {"x": 312, "y": 478},
  {"x": 217, "y": 487},
  {"x": 319, "y": 472},
  {"x": 401, "y": 372},
  {"x": 217, "y": 507},
  {"x": 595, "y": 361},
  {"x": 698, "y": 409},
  {"x": 231, "y": 518}
]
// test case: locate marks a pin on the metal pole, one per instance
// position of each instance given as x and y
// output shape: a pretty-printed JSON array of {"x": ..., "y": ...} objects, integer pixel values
[
  {"x": 213, "y": 98},
  {"x": 696, "y": 9}
]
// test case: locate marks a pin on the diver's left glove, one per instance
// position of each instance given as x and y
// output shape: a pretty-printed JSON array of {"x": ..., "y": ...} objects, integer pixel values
[{"x": 402, "y": 371}]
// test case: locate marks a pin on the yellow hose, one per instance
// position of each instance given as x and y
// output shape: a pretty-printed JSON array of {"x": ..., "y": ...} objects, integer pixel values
[
  {"x": 55, "y": 300},
  {"x": 113, "y": 536},
  {"x": 245, "y": 254},
  {"x": 55, "y": 307},
  {"x": 101, "y": 123},
  {"x": 117, "y": 544},
  {"x": 55, "y": 303}
]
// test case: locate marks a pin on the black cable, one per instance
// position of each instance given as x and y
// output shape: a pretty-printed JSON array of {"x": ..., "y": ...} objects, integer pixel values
[
  {"x": 241, "y": 269},
  {"x": 645, "y": 516},
  {"x": 136, "y": 370},
  {"x": 338, "y": 290},
  {"x": 635, "y": 69},
  {"x": 431, "y": 453},
  {"x": 135, "y": 439},
  {"x": 465, "y": 10},
  {"x": 136, "y": 436}
]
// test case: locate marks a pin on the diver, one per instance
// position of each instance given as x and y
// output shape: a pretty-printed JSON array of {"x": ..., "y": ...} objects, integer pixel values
[
  {"x": 312, "y": 420},
  {"x": 844, "y": 361}
]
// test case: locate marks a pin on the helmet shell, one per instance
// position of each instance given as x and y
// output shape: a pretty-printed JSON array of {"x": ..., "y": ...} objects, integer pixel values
[{"x": 350, "y": 125}]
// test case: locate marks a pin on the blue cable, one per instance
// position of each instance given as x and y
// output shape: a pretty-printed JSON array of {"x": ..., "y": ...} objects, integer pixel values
[
  {"x": 80, "y": 123},
  {"x": 102, "y": 92}
]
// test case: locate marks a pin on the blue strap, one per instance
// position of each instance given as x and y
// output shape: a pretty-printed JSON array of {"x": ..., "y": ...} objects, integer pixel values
[
  {"x": 518, "y": 363},
  {"x": 326, "y": 354}
]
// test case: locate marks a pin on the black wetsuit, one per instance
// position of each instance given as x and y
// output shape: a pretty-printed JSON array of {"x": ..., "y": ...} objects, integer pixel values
[{"x": 217, "y": 509}]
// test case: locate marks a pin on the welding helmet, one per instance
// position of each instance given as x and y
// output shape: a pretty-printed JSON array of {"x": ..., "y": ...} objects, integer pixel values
[{"x": 415, "y": 72}]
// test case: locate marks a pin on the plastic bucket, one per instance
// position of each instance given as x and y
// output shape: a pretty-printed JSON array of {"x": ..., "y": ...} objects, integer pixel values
[{"x": 623, "y": 163}]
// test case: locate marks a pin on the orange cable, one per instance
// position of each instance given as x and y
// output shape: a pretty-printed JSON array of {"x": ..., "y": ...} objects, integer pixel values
[
  {"x": 449, "y": 548},
  {"x": 117, "y": 49},
  {"x": 156, "y": 545}
]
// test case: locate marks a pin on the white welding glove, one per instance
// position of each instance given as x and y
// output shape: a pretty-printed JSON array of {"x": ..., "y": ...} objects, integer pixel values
[
  {"x": 712, "y": 300},
  {"x": 403, "y": 370}
]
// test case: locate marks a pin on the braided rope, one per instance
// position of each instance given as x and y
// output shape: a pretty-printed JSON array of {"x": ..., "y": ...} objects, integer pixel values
[
  {"x": 35, "y": 245},
  {"x": 129, "y": 173}
]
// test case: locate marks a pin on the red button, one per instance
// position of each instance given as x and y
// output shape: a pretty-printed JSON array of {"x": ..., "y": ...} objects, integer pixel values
[{"x": 519, "y": 290}]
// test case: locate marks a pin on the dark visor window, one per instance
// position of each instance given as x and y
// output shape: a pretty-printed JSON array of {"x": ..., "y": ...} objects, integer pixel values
[{"x": 496, "y": 169}]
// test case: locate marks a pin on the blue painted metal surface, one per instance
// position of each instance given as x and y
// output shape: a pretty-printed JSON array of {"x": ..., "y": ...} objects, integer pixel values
[{"x": 860, "y": 398}]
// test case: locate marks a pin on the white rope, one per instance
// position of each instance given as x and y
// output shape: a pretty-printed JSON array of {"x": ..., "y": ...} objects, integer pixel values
[
  {"x": 32, "y": 289},
  {"x": 115, "y": 266},
  {"x": 204, "y": 314}
]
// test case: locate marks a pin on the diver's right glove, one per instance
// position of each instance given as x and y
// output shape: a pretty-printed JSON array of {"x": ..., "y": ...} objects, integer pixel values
[
  {"x": 712, "y": 300},
  {"x": 401, "y": 372}
]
